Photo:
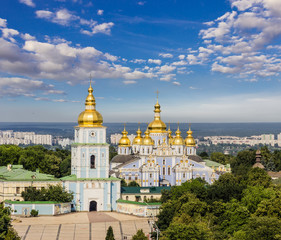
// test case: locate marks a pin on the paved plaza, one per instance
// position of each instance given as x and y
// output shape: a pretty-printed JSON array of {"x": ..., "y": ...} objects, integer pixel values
[{"x": 80, "y": 226}]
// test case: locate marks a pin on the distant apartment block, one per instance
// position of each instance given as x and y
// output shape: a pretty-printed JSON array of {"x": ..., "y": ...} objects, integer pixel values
[
  {"x": 264, "y": 139},
  {"x": 26, "y": 138}
]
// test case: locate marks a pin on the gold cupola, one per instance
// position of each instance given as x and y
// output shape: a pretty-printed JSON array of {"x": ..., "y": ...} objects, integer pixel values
[
  {"x": 138, "y": 140},
  {"x": 157, "y": 126},
  {"x": 178, "y": 140},
  {"x": 124, "y": 140},
  {"x": 90, "y": 117},
  {"x": 189, "y": 141},
  {"x": 170, "y": 137},
  {"x": 147, "y": 140}
]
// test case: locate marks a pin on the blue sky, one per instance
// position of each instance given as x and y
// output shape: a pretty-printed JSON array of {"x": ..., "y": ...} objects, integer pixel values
[{"x": 212, "y": 61}]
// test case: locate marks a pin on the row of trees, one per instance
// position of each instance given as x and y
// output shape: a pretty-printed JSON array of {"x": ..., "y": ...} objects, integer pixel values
[
  {"x": 55, "y": 193},
  {"x": 271, "y": 159},
  {"x": 240, "y": 206},
  {"x": 57, "y": 163}
]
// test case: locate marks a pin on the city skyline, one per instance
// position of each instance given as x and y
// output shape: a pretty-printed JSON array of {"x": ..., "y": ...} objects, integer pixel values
[{"x": 212, "y": 61}]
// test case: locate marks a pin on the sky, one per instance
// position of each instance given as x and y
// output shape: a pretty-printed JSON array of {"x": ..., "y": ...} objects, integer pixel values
[{"x": 211, "y": 61}]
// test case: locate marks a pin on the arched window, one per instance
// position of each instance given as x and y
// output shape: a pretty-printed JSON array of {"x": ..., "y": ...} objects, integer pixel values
[
  {"x": 93, "y": 161},
  {"x": 169, "y": 171}
]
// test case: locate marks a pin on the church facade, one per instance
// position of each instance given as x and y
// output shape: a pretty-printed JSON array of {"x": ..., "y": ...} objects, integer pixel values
[
  {"x": 158, "y": 158},
  {"x": 93, "y": 188}
]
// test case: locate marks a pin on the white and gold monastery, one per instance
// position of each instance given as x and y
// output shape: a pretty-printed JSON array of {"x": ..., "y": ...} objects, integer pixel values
[{"x": 158, "y": 158}]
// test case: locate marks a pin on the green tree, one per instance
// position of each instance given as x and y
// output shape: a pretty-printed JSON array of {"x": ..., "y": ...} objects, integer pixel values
[
  {"x": 219, "y": 157},
  {"x": 112, "y": 152},
  {"x": 258, "y": 177},
  {"x": 191, "y": 231},
  {"x": 133, "y": 184},
  {"x": 204, "y": 155},
  {"x": 54, "y": 193},
  {"x": 65, "y": 167},
  {"x": 51, "y": 165},
  {"x": 123, "y": 183},
  {"x": 260, "y": 228},
  {"x": 225, "y": 188},
  {"x": 242, "y": 163},
  {"x": 9, "y": 154},
  {"x": 6, "y": 230},
  {"x": 109, "y": 234},
  {"x": 139, "y": 235},
  {"x": 253, "y": 195}
]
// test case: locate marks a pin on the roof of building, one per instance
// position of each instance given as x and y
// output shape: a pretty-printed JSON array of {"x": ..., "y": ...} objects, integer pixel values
[
  {"x": 195, "y": 158},
  {"x": 143, "y": 190},
  {"x": 73, "y": 177},
  {"x": 18, "y": 173},
  {"x": 210, "y": 163},
  {"x": 123, "y": 158}
]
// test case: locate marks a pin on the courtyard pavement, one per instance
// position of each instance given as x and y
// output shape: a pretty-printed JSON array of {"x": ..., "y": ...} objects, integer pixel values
[{"x": 80, "y": 226}]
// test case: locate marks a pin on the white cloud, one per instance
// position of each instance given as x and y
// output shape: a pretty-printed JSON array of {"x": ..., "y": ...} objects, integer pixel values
[
  {"x": 29, "y": 3},
  {"x": 129, "y": 82},
  {"x": 138, "y": 61},
  {"x": 141, "y": 3},
  {"x": 179, "y": 63},
  {"x": 193, "y": 88},
  {"x": 166, "y": 69},
  {"x": 176, "y": 83},
  {"x": 110, "y": 57},
  {"x": 166, "y": 55},
  {"x": 155, "y": 61},
  {"x": 27, "y": 36},
  {"x": 62, "y": 17},
  {"x": 100, "y": 12},
  {"x": 14, "y": 86},
  {"x": 181, "y": 57},
  {"x": 3, "y": 22},
  {"x": 167, "y": 77},
  {"x": 104, "y": 28}
]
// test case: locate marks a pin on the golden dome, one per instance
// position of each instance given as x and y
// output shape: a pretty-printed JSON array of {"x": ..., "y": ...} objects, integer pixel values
[
  {"x": 90, "y": 117},
  {"x": 138, "y": 140},
  {"x": 171, "y": 139},
  {"x": 178, "y": 140},
  {"x": 157, "y": 126},
  {"x": 124, "y": 141},
  {"x": 147, "y": 140},
  {"x": 189, "y": 141}
]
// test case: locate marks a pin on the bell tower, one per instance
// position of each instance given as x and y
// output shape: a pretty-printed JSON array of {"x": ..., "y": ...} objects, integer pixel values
[{"x": 90, "y": 152}]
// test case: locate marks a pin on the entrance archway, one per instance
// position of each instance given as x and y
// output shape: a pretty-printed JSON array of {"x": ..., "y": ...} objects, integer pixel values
[{"x": 93, "y": 206}]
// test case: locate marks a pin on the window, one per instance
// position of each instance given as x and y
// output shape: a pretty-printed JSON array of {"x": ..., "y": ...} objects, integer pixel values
[
  {"x": 93, "y": 161},
  {"x": 125, "y": 151},
  {"x": 164, "y": 172},
  {"x": 179, "y": 150},
  {"x": 130, "y": 178},
  {"x": 150, "y": 175},
  {"x": 164, "y": 161},
  {"x": 127, "y": 198},
  {"x": 183, "y": 175},
  {"x": 102, "y": 155},
  {"x": 169, "y": 171},
  {"x": 136, "y": 178},
  {"x": 17, "y": 190}
]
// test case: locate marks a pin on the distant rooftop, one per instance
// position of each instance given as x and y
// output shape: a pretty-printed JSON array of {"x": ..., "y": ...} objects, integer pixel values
[
  {"x": 17, "y": 173},
  {"x": 210, "y": 163}
]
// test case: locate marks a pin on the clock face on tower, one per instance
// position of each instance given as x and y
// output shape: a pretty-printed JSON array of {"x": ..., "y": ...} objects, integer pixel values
[{"x": 92, "y": 133}]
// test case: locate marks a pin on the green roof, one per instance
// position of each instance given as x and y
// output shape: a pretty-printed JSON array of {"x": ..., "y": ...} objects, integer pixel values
[
  {"x": 31, "y": 202},
  {"x": 135, "y": 190},
  {"x": 17, "y": 173},
  {"x": 138, "y": 203},
  {"x": 210, "y": 163},
  {"x": 73, "y": 177}
]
